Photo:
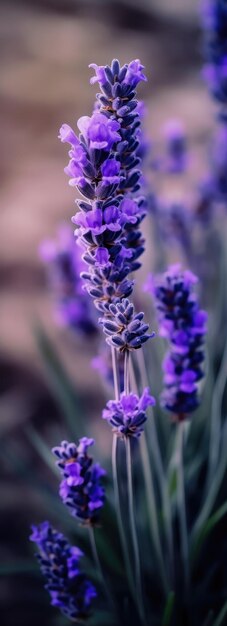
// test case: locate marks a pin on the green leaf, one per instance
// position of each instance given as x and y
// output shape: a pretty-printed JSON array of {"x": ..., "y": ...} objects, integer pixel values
[
  {"x": 221, "y": 617},
  {"x": 216, "y": 417},
  {"x": 61, "y": 384},
  {"x": 208, "y": 527},
  {"x": 208, "y": 620},
  {"x": 41, "y": 447},
  {"x": 102, "y": 618},
  {"x": 168, "y": 611},
  {"x": 211, "y": 496},
  {"x": 173, "y": 483},
  {"x": 107, "y": 553}
]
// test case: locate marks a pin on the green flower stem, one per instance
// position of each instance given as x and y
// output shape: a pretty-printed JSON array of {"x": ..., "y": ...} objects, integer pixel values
[
  {"x": 115, "y": 373},
  {"x": 215, "y": 427},
  {"x": 154, "y": 438},
  {"x": 182, "y": 505},
  {"x": 126, "y": 372},
  {"x": 133, "y": 529},
  {"x": 119, "y": 517},
  {"x": 99, "y": 567},
  {"x": 152, "y": 510},
  {"x": 121, "y": 528},
  {"x": 163, "y": 481}
]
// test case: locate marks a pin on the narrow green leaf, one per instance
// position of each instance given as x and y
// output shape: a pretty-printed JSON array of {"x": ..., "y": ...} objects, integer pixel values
[
  {"x": 108, "y": 553},
  {"x": 208, "y": 527},
  {"x": 213, "y": 492},
  {"x": 216, "y": 417},
  {"x": 173, "y": 483},
  {"x": 102, "y": 618},
  {"x": 61, "y": 384},
  {"x": 221, "y": 617},
  {"x": 168, "y": 611},
  {"x": 208, "y": 620},
  {"x": 41, "y": 447}
]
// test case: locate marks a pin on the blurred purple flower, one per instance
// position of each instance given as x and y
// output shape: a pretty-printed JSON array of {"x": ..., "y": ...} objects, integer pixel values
[
  {"x": 64, "y": 265},
  {"x": 67, "y": 585}
]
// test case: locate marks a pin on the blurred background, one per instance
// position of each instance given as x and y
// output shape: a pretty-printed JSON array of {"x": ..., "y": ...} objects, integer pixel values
[{"x": 46, "y": 46}]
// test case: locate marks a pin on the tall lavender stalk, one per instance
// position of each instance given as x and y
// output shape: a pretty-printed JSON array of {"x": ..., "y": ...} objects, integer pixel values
[
  {"x": 183, "y": 324},
  {"x": 104, "y": 168}
]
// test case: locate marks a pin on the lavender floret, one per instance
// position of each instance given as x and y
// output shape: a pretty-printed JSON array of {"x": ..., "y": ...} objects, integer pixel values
[
  {"x": 67, "y": 585},
  {"x": 128, "y": 415},
  {"x": 125, "y": 329},
  {"x": 81, "y": 489}
]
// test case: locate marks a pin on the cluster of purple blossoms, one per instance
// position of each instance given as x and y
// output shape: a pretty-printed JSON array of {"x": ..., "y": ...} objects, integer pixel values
[
  {"x": 64, "y": 264},
  {"x": 68, "y": 587},
  {"x": 80, "y": 489},
  {"x": 125, "y": 329},
  {"x": 117, "y": 100},
  {"x": 128, "y": 415},
  {"x": 104, "y": 168},
  {"x": 184, "y": 325},
  {"x": 214, "y": 16}
]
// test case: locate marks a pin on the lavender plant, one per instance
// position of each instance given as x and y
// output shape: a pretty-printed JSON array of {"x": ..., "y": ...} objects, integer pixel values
[{"x": 164, "y": 503}]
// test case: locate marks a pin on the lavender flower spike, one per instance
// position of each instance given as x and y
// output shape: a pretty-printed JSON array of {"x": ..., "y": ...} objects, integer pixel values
[
  {"x": 103, "y": 167},
  {"x": 80, "y": 488},
  {"x": 68, "y": 587},
  {"x": 128, "y": 415},
  {"x": 184, "y": 325},
  {"x": 125, "y": 330}
]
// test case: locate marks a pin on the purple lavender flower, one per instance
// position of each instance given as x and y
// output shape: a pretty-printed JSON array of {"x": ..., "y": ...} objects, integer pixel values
[
  {"x": 99, "y": 131},
  {"x": 184, "y": 325},
  {"x": 134, "y": 73},
  {"x": 118, "y": 118},
  {"x": 64, "y": 265},
  {"x": 117, "y": 101},
  {"x": 125, "y": 330},
  {"x": 80, "y": 489},
  {"x": 128, "y": 415},
  {"x": 68, "y": 587},
  {"x": 175, "y": 147},
  {"x": 104, "y": 168}
]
